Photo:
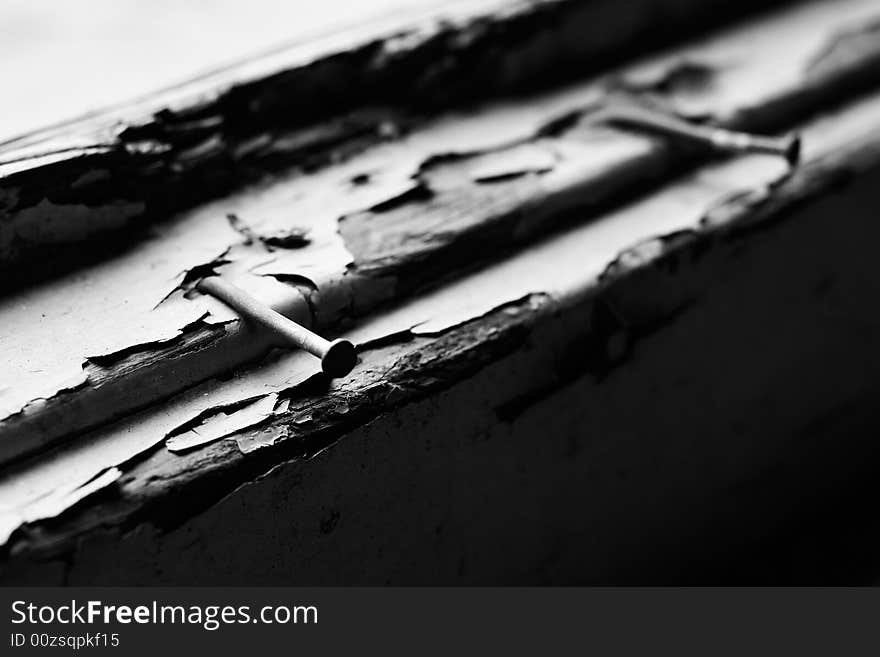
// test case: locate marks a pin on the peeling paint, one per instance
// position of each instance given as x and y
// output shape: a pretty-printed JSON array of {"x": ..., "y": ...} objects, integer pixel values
[
  {"x": 195, "y": 141},
  {"x": 54, "y": 504},
  {"x": 254, "y": 440},
  {"x": 673, "y": 212},
  {"x": 528, "y": 158},
  {"x": 221, "y": 423},
  {"x": 290, "y": 238},
  {"x": 329, "y": 282},
  {"x": 113, "y": 357},
  {"x": 17, "y": 398},
  {"x": 385, "y": 252}
]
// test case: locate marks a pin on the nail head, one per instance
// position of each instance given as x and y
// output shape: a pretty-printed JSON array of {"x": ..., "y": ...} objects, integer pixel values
[{"x": 340, "y": 359}]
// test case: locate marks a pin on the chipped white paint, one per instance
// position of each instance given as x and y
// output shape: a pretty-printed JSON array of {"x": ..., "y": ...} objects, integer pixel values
[
  {"x": 54, "y": 503},
  {"x": 222, "y": 424},
  {"x": 306, "y": 42},
  {"x": 118, "y": 304},
  {"x": 562, "y": 266},
  {"x": 784, "y": 58},
  {"x": 533, "y": 157}
]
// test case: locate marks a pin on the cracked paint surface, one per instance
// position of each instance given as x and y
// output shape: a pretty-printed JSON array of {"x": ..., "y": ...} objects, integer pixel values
[
  {"x": 587, "y": 255},
  {"x": 407, "y": 211},
  {"x": 223, "y": 422},
  {"x": 328, "y": 247},
  {"x": 216, "y": 132}
]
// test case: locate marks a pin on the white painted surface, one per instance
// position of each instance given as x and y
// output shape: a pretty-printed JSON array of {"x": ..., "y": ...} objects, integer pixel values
[{"x": 62, "y": 59}]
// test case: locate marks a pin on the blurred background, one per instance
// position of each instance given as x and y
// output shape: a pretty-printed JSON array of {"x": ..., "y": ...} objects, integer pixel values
[{"x": 64, "y": 59}]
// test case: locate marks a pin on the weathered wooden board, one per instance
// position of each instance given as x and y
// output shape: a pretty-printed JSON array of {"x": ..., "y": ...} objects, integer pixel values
[
  {"x": 306, "y": 106},
  {"x": 731, "y": 284},
  {"x": 329, "y": 246},
  {"x": 457, "y": 243}
]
